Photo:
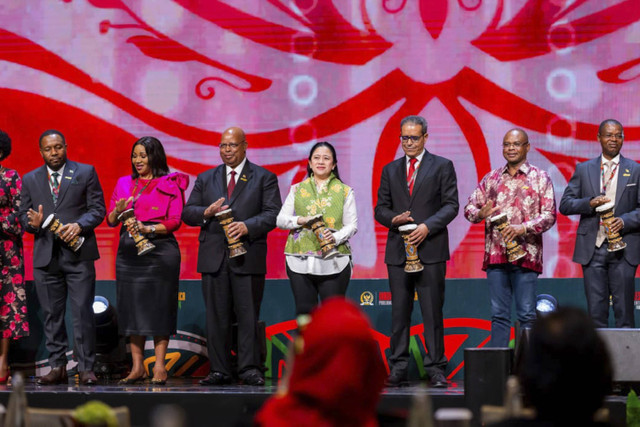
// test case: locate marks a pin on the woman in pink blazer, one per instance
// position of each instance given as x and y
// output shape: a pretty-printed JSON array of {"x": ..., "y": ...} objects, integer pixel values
[{"x": 147, "y": 285}]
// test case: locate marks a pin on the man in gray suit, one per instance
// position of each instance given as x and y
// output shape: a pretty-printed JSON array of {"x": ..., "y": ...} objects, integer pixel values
[
  {"x": 418, "y": 188},
  {"x": 73, "y": 193},
  {"x": 233, "y": 284},
  {"x": 609, "y": 177}
]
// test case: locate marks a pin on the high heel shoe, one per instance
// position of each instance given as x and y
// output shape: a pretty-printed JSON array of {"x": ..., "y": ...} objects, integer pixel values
[
  {"x": 131, "y": 381},
  {"x": 158, "y": 381},
  {"x": 5, "y": 379}
]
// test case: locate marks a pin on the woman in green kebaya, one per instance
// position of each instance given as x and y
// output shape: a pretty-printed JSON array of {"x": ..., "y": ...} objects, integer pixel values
[{"x": 321, "y": 193}]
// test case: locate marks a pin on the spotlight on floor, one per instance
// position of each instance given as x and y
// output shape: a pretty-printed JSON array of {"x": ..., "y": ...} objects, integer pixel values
[
  {"x": 100, "y": 305},
  {"x": 110, "y": 353},
  {"x": 546, "y": 304},
  {"x": 106, "y": 324}
]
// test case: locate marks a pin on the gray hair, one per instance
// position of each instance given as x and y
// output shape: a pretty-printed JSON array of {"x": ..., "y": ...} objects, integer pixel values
[{"x": 416, "y": 120}]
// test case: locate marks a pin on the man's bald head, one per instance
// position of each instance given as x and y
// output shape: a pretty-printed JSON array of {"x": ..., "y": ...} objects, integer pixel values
[
  {"x": 519, "y": 133},
  {"x": 234, "y": 131},
  {"x": 233, "y": 146},
  {"x": 515, "y": 146}
]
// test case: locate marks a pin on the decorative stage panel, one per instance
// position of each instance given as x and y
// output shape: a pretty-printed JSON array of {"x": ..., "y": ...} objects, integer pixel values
[{"x": 466, "y": 313}]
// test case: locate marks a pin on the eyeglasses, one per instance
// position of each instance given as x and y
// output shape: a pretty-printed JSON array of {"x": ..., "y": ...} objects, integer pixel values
[
  {"x": 514, "y": 144},
  {"x": 406, "y": 138},
  {"x": 613, "y": 135},
  {"x": 232, "y": 145}
]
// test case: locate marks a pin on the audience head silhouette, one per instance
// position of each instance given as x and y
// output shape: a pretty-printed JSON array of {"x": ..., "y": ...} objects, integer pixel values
[{"x": 567, "y": 371}]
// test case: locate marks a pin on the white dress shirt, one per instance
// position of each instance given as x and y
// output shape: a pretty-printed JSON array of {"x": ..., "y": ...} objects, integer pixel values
[
  {"x": 60, "y": 173},
  {"x": 418, "y": 158},
  {"x": 237, "y": 170},
  {"x": 611, "y": 192}
]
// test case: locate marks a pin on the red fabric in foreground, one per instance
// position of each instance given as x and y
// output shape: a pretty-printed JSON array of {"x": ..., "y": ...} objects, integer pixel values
[{"x": 337, "y": 376}]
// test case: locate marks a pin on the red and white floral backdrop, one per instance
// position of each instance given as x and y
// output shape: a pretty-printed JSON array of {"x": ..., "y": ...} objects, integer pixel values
[{"x": 292, "y": 72}]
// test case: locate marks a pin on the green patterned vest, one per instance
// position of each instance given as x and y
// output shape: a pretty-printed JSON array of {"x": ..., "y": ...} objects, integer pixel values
[{"x": 308, "y": 202}]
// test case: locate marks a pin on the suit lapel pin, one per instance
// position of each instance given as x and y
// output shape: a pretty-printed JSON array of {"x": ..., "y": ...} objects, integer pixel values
[
  {"x": 67, "y": 177},
  {"x": 243, "y": 178}
]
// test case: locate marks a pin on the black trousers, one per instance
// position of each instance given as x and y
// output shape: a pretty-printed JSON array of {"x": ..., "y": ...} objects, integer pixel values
[
  {"x": 429, "y": 283},
  {"x": 307, "y": 287},
  {"x": 226, "y": 293},
  {"x": 609, "y": 273},
  {"x": 66, "y": 276}
]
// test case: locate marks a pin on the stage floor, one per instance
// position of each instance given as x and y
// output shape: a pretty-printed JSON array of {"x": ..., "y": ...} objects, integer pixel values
[{"x": 231, "y": 405}]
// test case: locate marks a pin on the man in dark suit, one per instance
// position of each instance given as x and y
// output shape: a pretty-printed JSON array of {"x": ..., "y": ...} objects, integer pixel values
[
  {"x": 233, "y": 284},
  {"x": 417, "y": 188},
  {"x": 73, "y": 193},
  {"x": 609, "y": 177}
]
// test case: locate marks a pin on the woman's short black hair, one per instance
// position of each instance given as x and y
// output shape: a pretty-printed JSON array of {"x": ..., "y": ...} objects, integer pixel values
[
  {"x": 155, "y": 153},
  {"x": 333, "y": 153},
  {"x": 5, "y": 145}
]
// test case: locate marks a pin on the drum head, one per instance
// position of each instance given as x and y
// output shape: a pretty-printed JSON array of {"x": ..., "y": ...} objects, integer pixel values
[
  {"x": 47, "y": 221},
  {"x": 407, "y": 227},
  {"x": 605, "y": 207},
  {"x": 125, "y": 215},
  {"x": 224, "y": 212},
  {"x": 498, "y": 217}
]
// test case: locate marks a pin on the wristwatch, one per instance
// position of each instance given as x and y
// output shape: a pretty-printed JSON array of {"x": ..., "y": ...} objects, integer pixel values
[{"x": 153, "y": 232}]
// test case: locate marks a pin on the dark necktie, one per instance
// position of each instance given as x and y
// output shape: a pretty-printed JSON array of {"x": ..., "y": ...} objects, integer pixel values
[
  {"x": 231, "y": 185},
  {"x": 411, "y": 173},
  {"x": 55, "y": 186}
]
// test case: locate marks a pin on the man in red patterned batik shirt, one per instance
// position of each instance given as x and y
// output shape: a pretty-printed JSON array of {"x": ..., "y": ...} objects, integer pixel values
[{"x": 525, "y": 194}]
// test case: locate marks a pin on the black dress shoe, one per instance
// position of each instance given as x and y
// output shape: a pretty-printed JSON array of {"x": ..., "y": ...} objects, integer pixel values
[
  {"x": 395, "y": 380},
  {"x": 88, "y": 378},
  {"x": 215, "y": 378},
  {"x": 252, "y": 377},
  {"x": 55, "y": 376},
  {"x": 438, "y": 381}
]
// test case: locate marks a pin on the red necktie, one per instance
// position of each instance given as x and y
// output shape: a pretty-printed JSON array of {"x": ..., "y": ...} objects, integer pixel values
[
  {"x": 410, "y": 173},
  {"x": 231, "y": 185}
]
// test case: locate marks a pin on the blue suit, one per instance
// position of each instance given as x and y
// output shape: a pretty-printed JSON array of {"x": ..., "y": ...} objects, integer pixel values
[{"x": 606, "y": 273}]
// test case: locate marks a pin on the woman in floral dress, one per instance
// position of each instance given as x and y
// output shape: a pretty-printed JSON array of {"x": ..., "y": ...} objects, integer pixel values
[{"x": 13, "y": 298}]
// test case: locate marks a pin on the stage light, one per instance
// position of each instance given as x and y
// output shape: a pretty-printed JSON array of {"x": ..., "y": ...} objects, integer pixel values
[
  {"x": 100, "y": 304},
  {"x": 106, "y": 324},
  {"x": 109, "y": 346},
  {"x": 545, "y": 304}
]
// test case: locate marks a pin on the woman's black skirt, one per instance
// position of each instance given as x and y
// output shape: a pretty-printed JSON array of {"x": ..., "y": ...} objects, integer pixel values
[{"x": 147, "y": 286}]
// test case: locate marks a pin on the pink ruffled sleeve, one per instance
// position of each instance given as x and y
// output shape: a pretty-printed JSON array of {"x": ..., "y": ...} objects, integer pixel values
[{"x": 173, "y": 185}]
